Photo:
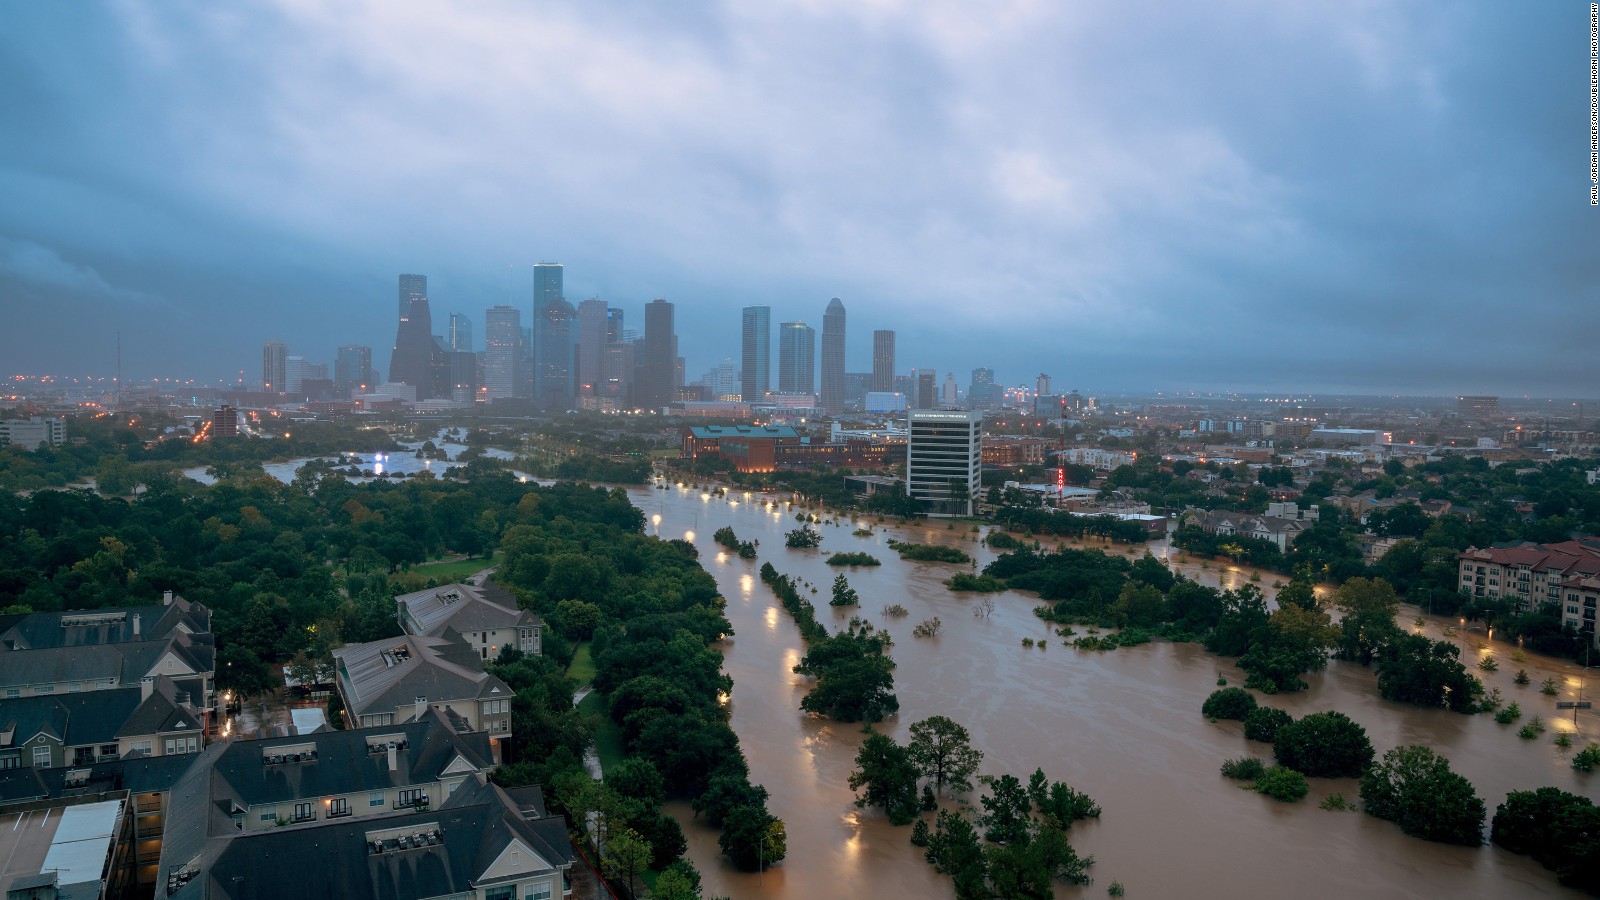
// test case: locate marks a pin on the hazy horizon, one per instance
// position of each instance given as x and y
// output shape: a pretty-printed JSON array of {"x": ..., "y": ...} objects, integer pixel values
[{"x": 1354, "y": 199}]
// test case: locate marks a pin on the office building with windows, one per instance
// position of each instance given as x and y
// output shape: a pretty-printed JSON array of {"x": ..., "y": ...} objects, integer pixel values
[
  {"x": 944, "y": 454},
  {"x": 755, "y": 380},
  {"x": 797, "y": 358}
]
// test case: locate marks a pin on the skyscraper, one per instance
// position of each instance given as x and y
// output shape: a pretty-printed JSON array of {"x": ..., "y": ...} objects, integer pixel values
[
  {"x": 412, "y": 362},
  {"x": 797, "y": 358},
  {"x": 412, "y": 287},
  {"x": 294, "y": 374},
  {"x": 593, "y": 321},
  {"x": 833, "y": 358},
  {"x": 274, "y": 367},
  {"x": 950, "y": 396},
  {"x": 352, "y": 369},
  {"x": 926, "y": 389},
  {"x": 502, "y": 345},
  {"x": 983, "y": 393},
  {"x": 882, "y": 361},
  {"x": 558, "y": 336},
  {"x": 756, "y": 357},
  {"x": 658, "y": 363},
  {"x": 460, "y": 336},
  {"x": 548, "y": 284}
]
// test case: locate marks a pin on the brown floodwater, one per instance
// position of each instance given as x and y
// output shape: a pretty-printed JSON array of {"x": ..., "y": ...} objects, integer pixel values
[{"x": 1123, "y": 726}]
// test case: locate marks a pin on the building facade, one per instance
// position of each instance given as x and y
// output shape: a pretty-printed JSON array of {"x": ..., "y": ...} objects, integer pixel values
[
  {"x": 33, "y": 432},
  {"x": 833, "y": 332},
  {"x": 412, "y": 287},
  {"x": 657, "y": 358},
  {"x": 944, "y": 455},
  {"x": 502, "y": 345},
  {"x": 755, "y": 358},
  {"x": 274, "y": 367},
  {"x": 882, "y": 362},
  {"x": 797, "y": 358}
]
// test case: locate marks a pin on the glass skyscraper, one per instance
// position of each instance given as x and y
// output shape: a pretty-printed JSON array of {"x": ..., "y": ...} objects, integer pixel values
[
  {"x": 797, "y": 358},
  {"x": 756, "y": 357}
]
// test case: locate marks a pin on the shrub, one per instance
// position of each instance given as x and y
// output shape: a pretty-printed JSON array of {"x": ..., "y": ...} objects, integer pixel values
[
  {"x": 1263, "y": 722},
  {"x": 1228, "y": 703},
  {"x": 1521, "y": 678},
  {"x": 1564, "y": 740},
  {"x": 1533, "y": 729},
  {"x": 804, "y": 537},
  {"x": 1557, "y": 829},
  {"x": 1586, "y": 759},
  {"x": 853, "y": 559},
  {"x": 894, "y": 611},
  {"x": 983, "y": 584},
  {"x": 1115, "y": 889},
  {"x": 1508, "y": 715},
  {"x": 1246, "y": 769},
  {"x": 1548, "y": 688},
  {"x": 1488, "y": 664},
  {"x": 1415, "y": 788},
  {"x": 1335, "y": 801},
  {"x": 1324, "y": 745},
  {"x": 929, "y": 552},
  {"x": 1282, "y": 783}
]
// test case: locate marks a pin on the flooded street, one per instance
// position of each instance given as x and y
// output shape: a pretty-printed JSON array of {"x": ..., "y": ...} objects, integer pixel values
[{"x": 1123, "y": 726}]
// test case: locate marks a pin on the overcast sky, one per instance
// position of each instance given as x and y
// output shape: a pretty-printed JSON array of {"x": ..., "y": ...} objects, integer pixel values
[{"x": 1340, "y": 196}]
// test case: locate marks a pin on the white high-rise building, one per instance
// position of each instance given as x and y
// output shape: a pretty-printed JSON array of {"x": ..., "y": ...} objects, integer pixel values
[
  {"x": 950, "y": 396},
  {"x": 944, "y": 453}
]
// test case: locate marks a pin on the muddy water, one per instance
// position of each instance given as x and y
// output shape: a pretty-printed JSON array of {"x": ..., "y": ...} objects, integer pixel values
[{"x": 1123, "y": 726}]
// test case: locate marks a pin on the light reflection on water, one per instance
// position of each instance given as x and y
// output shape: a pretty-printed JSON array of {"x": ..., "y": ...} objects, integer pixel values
[{"x": 1122, "y": 726}]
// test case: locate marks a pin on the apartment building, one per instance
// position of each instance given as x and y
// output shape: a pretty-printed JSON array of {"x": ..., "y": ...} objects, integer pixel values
[
  {"x": 1529, "y": 575},
  {"x": 397, "y": 680},
  {"x": 487, "y": 618},
  {"x": 80, "y": 729}
]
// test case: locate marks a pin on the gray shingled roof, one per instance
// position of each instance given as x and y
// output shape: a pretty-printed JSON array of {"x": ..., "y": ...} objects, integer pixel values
[
  {"x": 437, "y": 668},
  {"x": 97, "y": 717},
  {"x": 463, "y": 607}
]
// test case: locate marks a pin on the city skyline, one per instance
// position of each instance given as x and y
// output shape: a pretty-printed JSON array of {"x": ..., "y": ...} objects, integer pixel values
[{"x": 1350, "y": 208}]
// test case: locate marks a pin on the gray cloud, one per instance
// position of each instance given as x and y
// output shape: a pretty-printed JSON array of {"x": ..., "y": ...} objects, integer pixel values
[{"x": 1250, "y": 195}]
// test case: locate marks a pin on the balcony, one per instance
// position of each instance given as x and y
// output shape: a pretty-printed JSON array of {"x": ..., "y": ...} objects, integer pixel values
[
  {"x": 340, "y": 812},
  {"x": 299, "y": 817}
]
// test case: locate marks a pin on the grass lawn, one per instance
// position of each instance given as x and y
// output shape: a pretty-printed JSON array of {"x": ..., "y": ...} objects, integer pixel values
[
  {"x": 582, "y": 668},
  {"x": 607, "y": 737},
  {"x": 455, "y": 570}
]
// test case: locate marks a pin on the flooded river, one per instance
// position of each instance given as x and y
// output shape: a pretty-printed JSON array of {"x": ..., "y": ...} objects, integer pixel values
[{"x": 1123, "y": 726}]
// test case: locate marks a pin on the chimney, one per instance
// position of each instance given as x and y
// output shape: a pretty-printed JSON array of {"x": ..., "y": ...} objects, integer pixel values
[
  {"x": 146, "y": 686},
  {"x": 136, "y": 629},
  {"x": 421, "y": 709},
  {"x": 394, "y": 764},
  {"x": 166, "y": 598}
]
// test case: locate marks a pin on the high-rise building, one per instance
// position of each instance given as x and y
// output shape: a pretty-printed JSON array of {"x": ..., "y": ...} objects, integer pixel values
[
  {"x": 557, "y": 355},
  {"x": 1042, "y": 385},
  {"x": 502, "y": 346},
  {"x": 833, "y": 358},
  {"x": 1477, "y": 407},
  {"x": 594, "y": 326},
  {"x": 274, "y": 367},
  {"x": 460, "y": 336},
  {"x": 722, "y": 383},
  {"x": 294, "y": 374},
  {"x": 352, "y": 369},
  {"x": 797, "y": 358},
  {"x": 944, "y": 452},
  {"x": 412, "y": 361},
  {"x": 950, "y": 396},
  {"x": 412, "y": 287},
  {"x": 882, "y": 361},
  {"x": 657, "y": 358},
  {"x": 548, "y": 284},
  {"x": 926, "y": 389},
  {"x": 617, "y": 365},
  {"x": 224, "y": 422},
  {"x": 983, "y": 393},
  {"x": 755, "y": 374}
]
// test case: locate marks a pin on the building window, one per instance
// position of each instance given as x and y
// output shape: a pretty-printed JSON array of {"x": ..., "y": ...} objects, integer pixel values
[
  {"x": 75, "y": 687},
  {"x": 270, "y": 815},
  {"x": 339, "y": 807},
  {"x": 412, "y": 797},
  {"x": 13, "y": 693},
  {"x": 10, "y": 761},
  {"x": 41, "y": 757},
  {"x": 108, "y": 749},
  {"x": 44, "y": 689},
  {"x": 375, "y": 798},
  {"x": 504, "y": 892},
  {"x": 302, "y": 812},
  {"x": 538, "y": 892}
]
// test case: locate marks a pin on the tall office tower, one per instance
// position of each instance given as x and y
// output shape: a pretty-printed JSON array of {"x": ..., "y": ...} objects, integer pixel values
[
  {"x": 722, "y": 383},
  {"x": 926, "y": 389},
  {"x": 833, "y": 358},
  {"x": 274, "y": 367},
  {"x": 944, "y": 452},
  {"x": 616, "y": 375},
  {"x": 557, "y": 354},
  {"x": 460, "y": 337},
  {"x": 352, "y": 369},
  {"x": 755, "y": 357},
  {"x": 412, "y": 287},
  {"x": 502, "y": 347},
  {"x": 797, "y": 358},
  {"x": 294, "y": 374},
  {"x": 657, "y": 358},
  {"x": 548, "y": 283},
  {"x": 594, "y": 324},
  {"x": 411, "y": 362},
  {"x": 950, "y": 396},
  {"x": 882, "y": 361},
  {"x": 1042, "y": 385},
  {"x": 983, "y": 393}
]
